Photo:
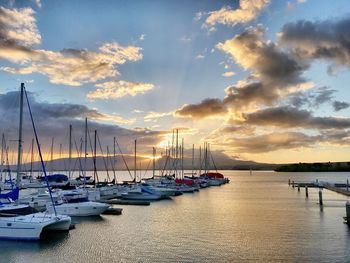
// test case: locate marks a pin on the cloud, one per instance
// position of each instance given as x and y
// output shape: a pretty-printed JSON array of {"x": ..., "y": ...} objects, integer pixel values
[
  {"x": 247, "y": 11},
  {"x": 312, "y": 98},
  {"x": 46, "y": 110},
  {"x": 207, "y": 107},
  {"x": 199, "y": 16},
  {"x": 291, "y": 5},
  {"x": 185, "y": 39},
  {"x": 18, "y": 26},
  {"x": 200, "y": 56},
  {"x": 154, "y": 116},
  {"x": 340, "y": 105},
  {"x": 290, "y": 117},
  {"x": 220, "y": 134},
  {"x": 272, "y": 142},
  {"x": 265, "y": 59},
  {"x": 53, "y": 120},
  {"x": 74, "y": 67},
  {"x": 275, "y": 75},
  {"x": 228, "y": 74},
  {"x": 142, "y": 37},
  {"x": 117, "y": 89},
  {"x": 327, "y": 39}
]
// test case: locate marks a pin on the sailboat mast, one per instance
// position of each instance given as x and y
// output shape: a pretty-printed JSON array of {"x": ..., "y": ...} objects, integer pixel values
[
  {"x": 192, "y": 159},
  {"x": 85, "y": 148},
  {"x": 177, "y": 151},
  {"x": 135, "y": 160},
  {"x": 154, "y": 162},
  {"x": 19, "y": 153},
  {"x": 205, "y": 157},
  {"x": 115, "y": 178},
  {"x": 52, "y": 142},
  {"x": 2, "y": 155},
  {"x": 182, "y": 158},
  {"x": 208, "y": 156},
  {"x": 95, "y": 156},
  {"x": 200, "y": 160},
  {"x": 70, "y": 151},
  {"x": 31, "y": 158}
]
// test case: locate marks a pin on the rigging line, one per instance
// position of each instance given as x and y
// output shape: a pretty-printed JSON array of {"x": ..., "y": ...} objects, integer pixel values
[
  {"x": 26, "y": 158},
  {"x": 7, "y": 161},
  {"x": 103, "y": 157},
  {"x": 79, "y": 157},
  {"x": 144, "y": 176},
  {"x": 93, "y": 156},
  {"x": 216, "y": 169},
  {"x": 127, "y": 167},
  {"x": 112, "y": 164},
  {"x": 39, "y": 149},
  {"x": 165, "y": 164}
]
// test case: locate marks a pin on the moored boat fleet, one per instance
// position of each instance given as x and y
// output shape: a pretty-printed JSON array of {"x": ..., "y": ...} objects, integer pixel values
[{"x": 31, "y": 205}]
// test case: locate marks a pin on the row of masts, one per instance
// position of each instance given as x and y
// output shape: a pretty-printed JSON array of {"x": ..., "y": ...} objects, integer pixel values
[{"x": 174, "y": 155}]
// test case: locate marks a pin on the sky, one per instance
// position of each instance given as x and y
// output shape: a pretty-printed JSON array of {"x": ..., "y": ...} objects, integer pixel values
[{"x": 260, "y": 80}]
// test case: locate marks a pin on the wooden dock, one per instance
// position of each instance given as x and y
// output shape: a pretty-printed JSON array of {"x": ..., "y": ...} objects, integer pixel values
[
  {"x": 341, "y": 188},
  {"x": 337, "y": 190}
]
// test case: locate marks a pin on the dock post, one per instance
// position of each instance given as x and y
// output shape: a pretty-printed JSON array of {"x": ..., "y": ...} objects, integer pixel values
[
  {"x": 288, "y": 181},
  {"x": 293, "y": 184},
  {"x": 347, "y": 184},
  {"x": 320, "y": 197},
  {"x": 347, "y": 206},
  {"x": 306, "y": 191},
  {"x": 298, "y": 188}
]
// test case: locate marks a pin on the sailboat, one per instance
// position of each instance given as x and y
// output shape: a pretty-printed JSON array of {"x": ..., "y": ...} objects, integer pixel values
[
  {"x": 214, "y": 178},
  {"x": 140, "y": 193},
  {"x": 21, "y": 222},
  {"x": 73, "y": 203}
]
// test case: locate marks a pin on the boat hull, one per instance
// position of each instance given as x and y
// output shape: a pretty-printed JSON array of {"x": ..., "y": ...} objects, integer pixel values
[
  {"x": 80, "y": 209},
  {"x": 30, "y": 227},
  {"x": 140, "y": 196}
]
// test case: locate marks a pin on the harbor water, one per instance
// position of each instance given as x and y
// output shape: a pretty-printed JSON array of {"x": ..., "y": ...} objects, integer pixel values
[{"x": 257, "y": 217}]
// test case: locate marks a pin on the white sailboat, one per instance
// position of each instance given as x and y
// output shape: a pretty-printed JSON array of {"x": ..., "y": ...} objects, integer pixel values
[{"x": 19, "y": 222}]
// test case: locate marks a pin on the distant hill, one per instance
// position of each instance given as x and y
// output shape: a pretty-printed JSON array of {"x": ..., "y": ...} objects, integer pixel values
[
  {"x": 315, "y": 167},
  {"x": 144, "y": 163}
]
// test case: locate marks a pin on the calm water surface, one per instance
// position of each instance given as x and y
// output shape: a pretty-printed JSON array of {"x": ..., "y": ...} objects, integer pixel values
[{"x": 254, "y": 218}]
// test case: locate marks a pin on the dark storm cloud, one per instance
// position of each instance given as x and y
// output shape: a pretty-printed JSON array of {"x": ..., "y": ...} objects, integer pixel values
[
  {"x": 286, "y": 140},
  {"x": 312, "y": 98},
  {"x": 290, "y": 117},
  {"x": 269, "y": 62},
  {"x": 275, "y": 73},
  {"x": 327, "y": 39},
  {"x": 272, "y": 142},
  {"x": 207, "y": 107},
  {"x": 53, "y": 120},
  {"x": 340, "y": 105},
  {"x": 256, "y": 92}
]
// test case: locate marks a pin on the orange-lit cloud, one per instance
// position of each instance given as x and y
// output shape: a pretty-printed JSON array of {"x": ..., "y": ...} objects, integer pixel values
[
  {"x": 19, "y": 25},
  {"x": 74, "y": 67},
  {"x": 206, "y": 108},
  {"x": 228, "y": 74},
  {"x": 247, "y": 11},
  {"x": 118, "y": 88},
  {"x": 154, "y": 116}
]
